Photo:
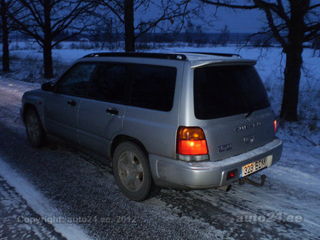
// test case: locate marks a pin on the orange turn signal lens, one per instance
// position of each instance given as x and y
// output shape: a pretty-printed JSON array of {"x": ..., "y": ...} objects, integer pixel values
[{"x": 191, "y": 133}]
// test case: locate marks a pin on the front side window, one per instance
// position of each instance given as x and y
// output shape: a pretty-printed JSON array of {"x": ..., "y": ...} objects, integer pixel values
[
  {"x": 153, "y": 86},
  {"x": 76, "y": 81}
]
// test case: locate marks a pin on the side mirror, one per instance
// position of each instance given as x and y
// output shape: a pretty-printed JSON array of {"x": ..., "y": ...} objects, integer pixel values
[{"x": 49, "y": 86}]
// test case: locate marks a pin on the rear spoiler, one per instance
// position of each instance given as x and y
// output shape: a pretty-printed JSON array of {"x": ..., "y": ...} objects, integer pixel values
[{"x": 198, "y": 64}]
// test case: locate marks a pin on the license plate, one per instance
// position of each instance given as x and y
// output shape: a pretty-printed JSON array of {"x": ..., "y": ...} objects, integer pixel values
[{"x": 253, "y": 167}]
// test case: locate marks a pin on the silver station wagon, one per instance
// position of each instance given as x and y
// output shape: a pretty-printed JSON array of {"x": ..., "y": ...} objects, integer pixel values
[{"x": 182, "y": 120}]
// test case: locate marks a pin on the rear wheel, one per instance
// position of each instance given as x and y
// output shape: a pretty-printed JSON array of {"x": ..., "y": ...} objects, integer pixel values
[
  {"x": 35, "y": 132},
  {"x": 131, "y": 171}
]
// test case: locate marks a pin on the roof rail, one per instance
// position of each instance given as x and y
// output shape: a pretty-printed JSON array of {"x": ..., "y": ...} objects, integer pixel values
[
  {"x": 139, "y": 54},
  {"x": 217, "y": 54}
]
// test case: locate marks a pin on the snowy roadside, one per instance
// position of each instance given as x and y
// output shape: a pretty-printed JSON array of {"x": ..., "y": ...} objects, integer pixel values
[
  {"x": 26, "y": 214},
  {"x": 17, "y": 219}
]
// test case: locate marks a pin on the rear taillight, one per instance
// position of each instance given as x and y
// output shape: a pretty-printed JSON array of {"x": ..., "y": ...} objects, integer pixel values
[
  {"x": 191, "y": 144},
  {"x": 275, "y": 125}
]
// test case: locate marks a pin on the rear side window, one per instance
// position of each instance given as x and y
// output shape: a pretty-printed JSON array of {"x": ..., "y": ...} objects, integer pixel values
[
  {"x": 153, "y": 86},
  {"x": 222, "y": 91}
]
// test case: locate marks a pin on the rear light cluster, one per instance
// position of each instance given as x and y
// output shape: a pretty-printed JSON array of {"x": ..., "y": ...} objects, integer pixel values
[
  {"x": 275, "y": 125},
  {"x": 192, "y": 144}
]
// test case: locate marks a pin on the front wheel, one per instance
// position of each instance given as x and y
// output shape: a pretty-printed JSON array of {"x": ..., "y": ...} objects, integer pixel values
[
  {"x": 131, "y": 171},
  {"x": 35, "y": 132}
]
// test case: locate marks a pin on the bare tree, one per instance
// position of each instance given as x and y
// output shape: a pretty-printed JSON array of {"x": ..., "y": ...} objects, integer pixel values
[
  {"x": 291, "y": 22},
  {"x": 4, "y": 6},
  {"x": 6, "y": 28},
  {"x": 125, "y": 10},
  {"x": 45, "y": 21}
]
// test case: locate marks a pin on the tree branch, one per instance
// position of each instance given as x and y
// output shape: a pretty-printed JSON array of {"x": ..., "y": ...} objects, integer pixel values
[
  {"x": 228, "y": 5},
  {"x": 314, "y": 31},
  {"x": 169, "y": 13},
  {"x": 314, "y": 6},
  {"x": 274, "y": 29},
  {"x": 34, "y": 12},
  {"x": 114, "y": 10}
]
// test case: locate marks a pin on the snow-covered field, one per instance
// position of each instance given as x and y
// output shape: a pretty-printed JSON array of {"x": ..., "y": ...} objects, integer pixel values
[
  {"x": 270, "y": 65},
  {"x": 287, "y": 207}
]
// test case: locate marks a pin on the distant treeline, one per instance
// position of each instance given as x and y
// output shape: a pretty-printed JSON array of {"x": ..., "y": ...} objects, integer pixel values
[{"x": 197, "y": 38}]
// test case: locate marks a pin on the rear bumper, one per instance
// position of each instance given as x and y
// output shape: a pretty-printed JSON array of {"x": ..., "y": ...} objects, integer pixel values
[{"x": 199, "y": 175}]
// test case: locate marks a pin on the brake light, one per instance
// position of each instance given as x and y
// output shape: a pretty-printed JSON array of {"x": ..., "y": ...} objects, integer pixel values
[
  {"x": 275, "y": 126},
  {"x": 191, "y": 141}
]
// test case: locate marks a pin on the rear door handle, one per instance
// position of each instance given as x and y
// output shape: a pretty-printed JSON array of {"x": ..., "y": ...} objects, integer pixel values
[
  {"x": 112, "y": 111},
  {"x": 72, "y": 103}
]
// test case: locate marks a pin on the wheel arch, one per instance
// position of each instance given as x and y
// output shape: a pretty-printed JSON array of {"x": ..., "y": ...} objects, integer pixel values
[
  {"x": 27, "y": 107},
  {"x": 124, "y": 138}
]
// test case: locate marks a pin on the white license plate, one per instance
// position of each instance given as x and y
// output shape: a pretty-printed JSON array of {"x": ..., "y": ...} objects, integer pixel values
[{"x": 253, "y": 167}]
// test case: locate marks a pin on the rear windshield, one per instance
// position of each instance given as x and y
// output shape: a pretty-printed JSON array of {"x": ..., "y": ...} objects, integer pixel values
[{"x": 222, "y": 91}]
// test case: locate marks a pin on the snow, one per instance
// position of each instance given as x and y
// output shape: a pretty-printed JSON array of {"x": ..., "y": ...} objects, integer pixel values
[
  {"x": 292, "y": 188},
  {"x": 39, "y": 203}
]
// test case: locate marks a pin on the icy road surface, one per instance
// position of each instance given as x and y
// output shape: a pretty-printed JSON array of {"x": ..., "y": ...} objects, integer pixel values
[{"x": 81, "y": 193}]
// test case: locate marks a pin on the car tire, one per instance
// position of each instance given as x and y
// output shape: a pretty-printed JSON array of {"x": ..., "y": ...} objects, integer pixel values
[
  {"x": 35, "y": 132},
  {"x": 131, "y": 171}
]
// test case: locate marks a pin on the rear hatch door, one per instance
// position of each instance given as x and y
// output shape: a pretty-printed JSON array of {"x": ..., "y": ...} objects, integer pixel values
[{"x": 233, "y": 104}]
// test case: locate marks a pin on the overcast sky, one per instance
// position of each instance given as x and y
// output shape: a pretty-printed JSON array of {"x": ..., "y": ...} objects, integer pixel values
[
  {"x": 238, "y": 21},
  {"x": 241, "y": 21}
]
